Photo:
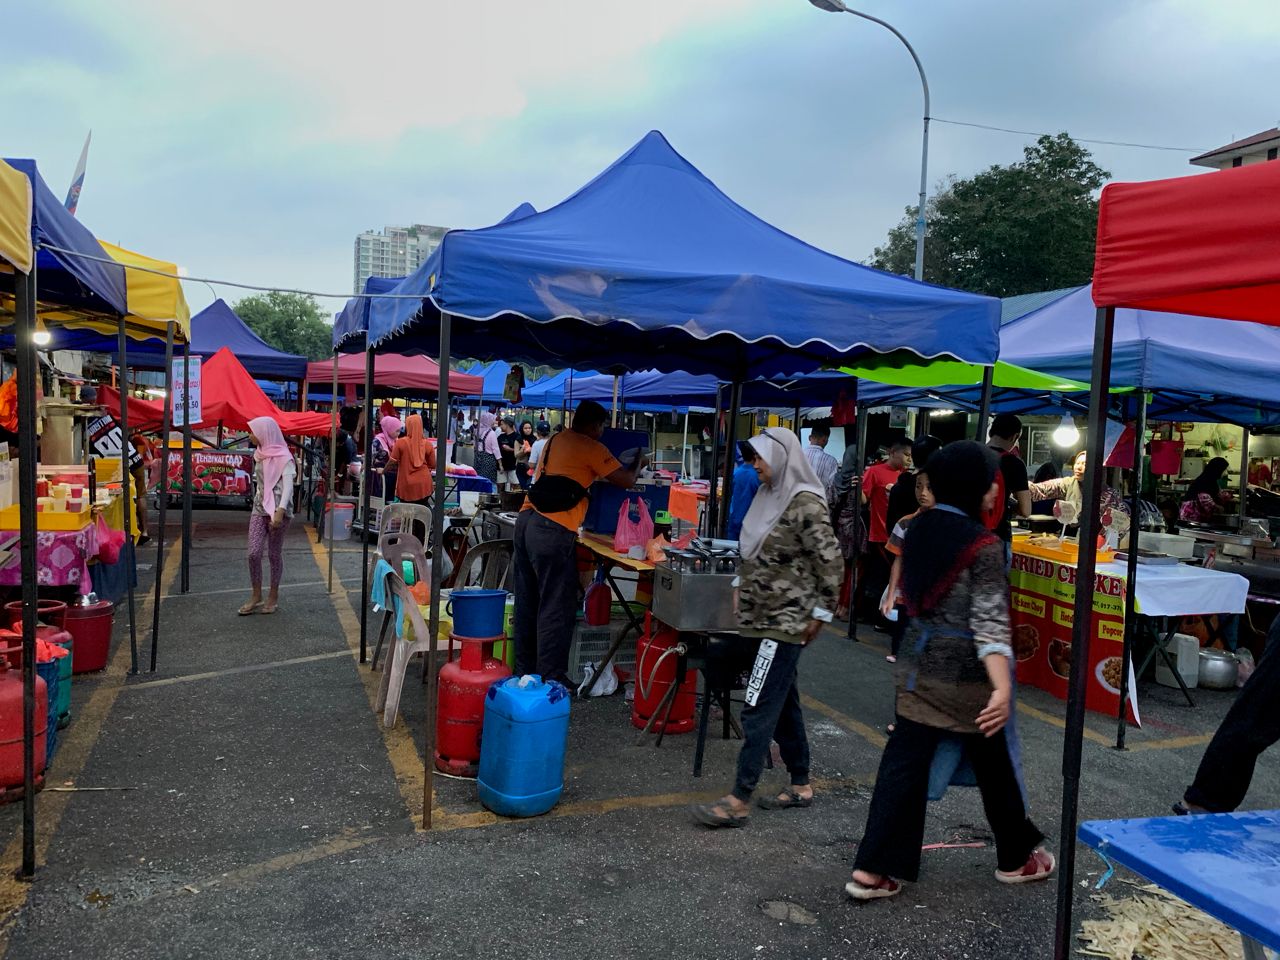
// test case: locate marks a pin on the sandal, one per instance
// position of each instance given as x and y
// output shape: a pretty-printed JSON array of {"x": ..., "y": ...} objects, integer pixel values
[
  {"x": 1184, "y": 809},
  {"x": 705, "y": 814},
  {"x": 884, "y": 887},
  {"x": 270, "y": 608},
  {"x": 784, "y": 801},
  {"x": 1039, "y": 866},
  {"x": 250, "y": 607}
]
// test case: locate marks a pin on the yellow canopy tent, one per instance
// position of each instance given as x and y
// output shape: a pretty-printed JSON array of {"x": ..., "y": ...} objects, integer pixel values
[
  {"x": 154, "y": 300},
  {"x": 15, "y": 218}
]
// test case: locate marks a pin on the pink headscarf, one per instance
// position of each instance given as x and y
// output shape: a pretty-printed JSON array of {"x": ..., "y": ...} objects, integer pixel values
[
  {"x": 486, "y": 435},
  {"x": 273, "y": 453},
  {"x": 391, "y": 427}
]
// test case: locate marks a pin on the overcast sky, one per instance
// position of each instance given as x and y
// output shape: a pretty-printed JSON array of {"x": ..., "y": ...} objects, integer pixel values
[{"x": 252, "y": 140}]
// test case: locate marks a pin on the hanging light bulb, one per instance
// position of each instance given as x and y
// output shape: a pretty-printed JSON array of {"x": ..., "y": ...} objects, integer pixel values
[
  {"x": 41, "y": 337},
  {"x": 1066, "y": 435}
]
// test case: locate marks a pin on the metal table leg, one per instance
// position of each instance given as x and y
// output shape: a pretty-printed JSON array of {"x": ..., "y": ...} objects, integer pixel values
[
  {"x": 1161, "y": 648},
  {"x": 633, "y": 623},
  {"x": 664, "y": 702},
  {"x": 703, "y": 717}
]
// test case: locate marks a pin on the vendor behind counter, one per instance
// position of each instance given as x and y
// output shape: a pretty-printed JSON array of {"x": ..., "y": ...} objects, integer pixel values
[{"x": 1070, "y": 489}]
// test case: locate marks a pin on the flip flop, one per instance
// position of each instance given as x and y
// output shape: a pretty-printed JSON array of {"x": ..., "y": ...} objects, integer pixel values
[
  {"x": 887, "y": 887},
  {"x": 705, "y": 814},
  {"x": 249, "y": 608},
  {"x": 269, "y": 609},
  {"x": 792, "y": 799}
]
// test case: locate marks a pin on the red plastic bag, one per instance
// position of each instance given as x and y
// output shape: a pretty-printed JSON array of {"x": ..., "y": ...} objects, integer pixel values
[
  {"x": 1166, "y": 457},
  {"x": 1122, "y": 453},
  {"x": 635, "y": 527},
  {"x": 110, "y": 542}
]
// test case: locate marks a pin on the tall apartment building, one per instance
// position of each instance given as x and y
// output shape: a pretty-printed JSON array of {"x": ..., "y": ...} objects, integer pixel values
[{"x": 394, "y": 252}]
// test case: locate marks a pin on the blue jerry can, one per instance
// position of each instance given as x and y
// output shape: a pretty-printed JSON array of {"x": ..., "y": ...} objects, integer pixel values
[{"x": 526, "y": 727}]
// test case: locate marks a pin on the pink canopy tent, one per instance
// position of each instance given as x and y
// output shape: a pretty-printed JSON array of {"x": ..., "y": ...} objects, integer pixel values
[{"x": 393, "y": 371}]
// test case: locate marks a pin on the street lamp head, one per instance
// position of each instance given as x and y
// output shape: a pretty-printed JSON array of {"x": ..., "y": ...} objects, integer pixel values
[{"x": 831, "y": 6}]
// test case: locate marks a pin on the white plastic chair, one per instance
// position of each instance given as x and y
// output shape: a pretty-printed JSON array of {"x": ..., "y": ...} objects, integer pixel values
[{"x": 403, "y": 650}]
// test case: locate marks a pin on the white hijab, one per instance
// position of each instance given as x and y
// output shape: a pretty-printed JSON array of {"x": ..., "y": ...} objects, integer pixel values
[{"x": 791, "y": 475}]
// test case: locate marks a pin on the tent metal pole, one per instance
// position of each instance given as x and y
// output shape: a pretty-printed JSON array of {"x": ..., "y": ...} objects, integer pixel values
[
  {"x": 1130, "y": 625},
  {"x": 684, "y": 444},
  {"x": 795, "y": 422},
  {"x": 25, "y": 309},
  {"x": 333, "y": 459},
  {"x": 713, "y": 493},
  {"x": 186, "y": 473},
  {"x": 1244, "y": 476},
  {"x": 984, "y": 405},
  {"x": 437, "y": 578},
  {"x": 1081, "y": 630},
  {"x": 731, "y": 444},
  {"x": 855, "y": 491},
  {"x": 364, "y": 508},
  {"x": 616, "y": 379},
  {"x": 163, "y": 495},
  {"x": 129, "y": 555}
]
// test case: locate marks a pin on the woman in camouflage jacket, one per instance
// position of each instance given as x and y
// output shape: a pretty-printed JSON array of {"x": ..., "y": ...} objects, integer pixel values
[{"x": 790, "y": 581}]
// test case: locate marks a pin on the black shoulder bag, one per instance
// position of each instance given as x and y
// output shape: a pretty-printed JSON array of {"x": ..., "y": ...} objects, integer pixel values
[{"x": 554, "y": 493}]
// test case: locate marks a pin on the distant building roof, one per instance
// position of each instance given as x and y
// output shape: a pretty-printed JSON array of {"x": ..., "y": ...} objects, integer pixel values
[
  {"x": 1256, "y": 140},
  {"x": 1011, "y": 308}
]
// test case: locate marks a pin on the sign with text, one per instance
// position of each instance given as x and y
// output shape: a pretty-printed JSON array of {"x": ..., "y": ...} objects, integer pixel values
[
  {"x": 106, "y": 438},
  {"x": 1043, "y": 594},
  {"x": 186, "y": 393},
  {"x": 213, "y": 473}
]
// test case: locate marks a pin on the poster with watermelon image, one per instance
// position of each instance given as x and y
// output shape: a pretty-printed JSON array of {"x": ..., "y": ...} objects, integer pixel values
[{"x": 217, "y": 474}]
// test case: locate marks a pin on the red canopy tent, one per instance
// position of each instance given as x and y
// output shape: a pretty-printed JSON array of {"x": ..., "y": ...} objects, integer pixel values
[
  {"x": 393, "y": 371},
  {"x": 1206, "y": 245},
  {"x": 228, "y": 396}
]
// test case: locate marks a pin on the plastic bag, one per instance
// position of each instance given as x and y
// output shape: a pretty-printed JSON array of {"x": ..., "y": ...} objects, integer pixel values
[
  {"x": 607, "y": 686},
  {"x": 110, "y": 542},
  {"x": 631, "y": 532},
  {"x": 653, "y": 553},
  {"x": 1245, "y": 659}
]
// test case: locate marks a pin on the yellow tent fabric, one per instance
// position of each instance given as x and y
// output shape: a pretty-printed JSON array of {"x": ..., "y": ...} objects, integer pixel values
[
  {"x": 152, "y": 297},
  {"x": 15, "y": 218}
]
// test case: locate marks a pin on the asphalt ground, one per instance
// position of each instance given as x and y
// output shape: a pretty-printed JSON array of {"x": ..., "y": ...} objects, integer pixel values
[{"x": 244, "y": 801}]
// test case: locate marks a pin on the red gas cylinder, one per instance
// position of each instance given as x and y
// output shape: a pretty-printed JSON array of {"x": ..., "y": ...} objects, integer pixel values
[
  {"x": 460, "y": 712},
  {"x": 656, "y": 662},
  {"x": 11, "y": 727}
]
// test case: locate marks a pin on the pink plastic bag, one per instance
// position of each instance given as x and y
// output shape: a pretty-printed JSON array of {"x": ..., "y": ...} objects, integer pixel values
[
  {"x": 110, "y": 542},
  {"x": 635, "y": 527}
]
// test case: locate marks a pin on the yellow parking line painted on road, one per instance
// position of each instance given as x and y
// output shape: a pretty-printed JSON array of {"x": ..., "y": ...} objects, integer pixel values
[
  {"x": 231, "y": 671},
  {"x": 403, "y": 754},
  {"x": 867, "y": 733},
  {"x": 1060, "y": 722},
  {"x": 1173, "y": 743},
  {"x": 77, "y": 744}
]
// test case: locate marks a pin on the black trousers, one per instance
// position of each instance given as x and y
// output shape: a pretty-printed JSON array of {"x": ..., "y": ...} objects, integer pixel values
[
  {"x": 546, "y": 588},
  {"x": 895, "y": 822},
  {"x": 775, "y": 715},
  {"x": 1250, "y": 726},
  {"x": 876, "y": 578}
]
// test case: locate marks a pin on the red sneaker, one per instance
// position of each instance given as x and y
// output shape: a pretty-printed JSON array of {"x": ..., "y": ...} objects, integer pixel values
[{"x": 1039, "y": 866}]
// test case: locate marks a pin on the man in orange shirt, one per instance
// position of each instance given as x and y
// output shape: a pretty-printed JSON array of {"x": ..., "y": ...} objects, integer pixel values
[{"x": 545, "y": 558}]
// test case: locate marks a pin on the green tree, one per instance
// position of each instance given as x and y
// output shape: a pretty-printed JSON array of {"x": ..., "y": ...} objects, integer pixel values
[
  {"x": 1008, "y": 230},
  {"x": 290, "y": 322}
]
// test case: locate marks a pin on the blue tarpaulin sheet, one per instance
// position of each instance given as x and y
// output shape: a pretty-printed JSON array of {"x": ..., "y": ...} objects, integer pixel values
[
  {"x": 352, "y": 321},
  {"x": 650, "y": 265}
]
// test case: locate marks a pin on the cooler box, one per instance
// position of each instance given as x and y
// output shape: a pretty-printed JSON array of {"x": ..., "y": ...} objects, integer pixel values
[
  {"x": 606, "y": 501},
  {"x": 1185, "y": 651}
]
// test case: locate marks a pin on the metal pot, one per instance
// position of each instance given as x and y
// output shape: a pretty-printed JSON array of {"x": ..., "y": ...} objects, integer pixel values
[{"x": 1218, "y": 670}]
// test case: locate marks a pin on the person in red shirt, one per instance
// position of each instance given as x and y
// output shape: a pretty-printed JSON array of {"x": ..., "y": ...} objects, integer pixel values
[{"x": 876, "y": 484}]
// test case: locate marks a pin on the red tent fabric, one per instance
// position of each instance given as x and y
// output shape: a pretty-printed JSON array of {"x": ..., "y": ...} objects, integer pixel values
[
  {"x": 393, "y": 371},
  {"x": 1207, "y": 245},
  {"x": 227, "y": 395}
]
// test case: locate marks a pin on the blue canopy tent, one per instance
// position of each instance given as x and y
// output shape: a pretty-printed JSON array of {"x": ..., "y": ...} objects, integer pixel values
[
  {"x": 495, "y": 380},
  {"x": 1191, "y": 368},
  {"x": 650, "y": 264},
  {"x": 561, "y": 389},
  {"x": 218, "y": 326},
  {"x": 352, "y": 321}
]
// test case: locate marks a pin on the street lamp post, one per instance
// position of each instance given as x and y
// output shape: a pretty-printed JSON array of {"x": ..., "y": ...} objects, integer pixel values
[{"x": 837, "y": 6}]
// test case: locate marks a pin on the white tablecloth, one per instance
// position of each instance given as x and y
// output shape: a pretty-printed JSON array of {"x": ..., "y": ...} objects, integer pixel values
[{"x": 1182, "y": 590}]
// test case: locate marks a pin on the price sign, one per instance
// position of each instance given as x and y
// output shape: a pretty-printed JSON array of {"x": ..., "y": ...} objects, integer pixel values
[{"x": 186, "y": 392}]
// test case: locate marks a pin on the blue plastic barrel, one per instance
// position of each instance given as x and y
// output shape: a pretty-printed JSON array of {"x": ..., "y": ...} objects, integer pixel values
[
  {"x": 477, "y": 613},
  {"x": 526, "y": 727}
]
